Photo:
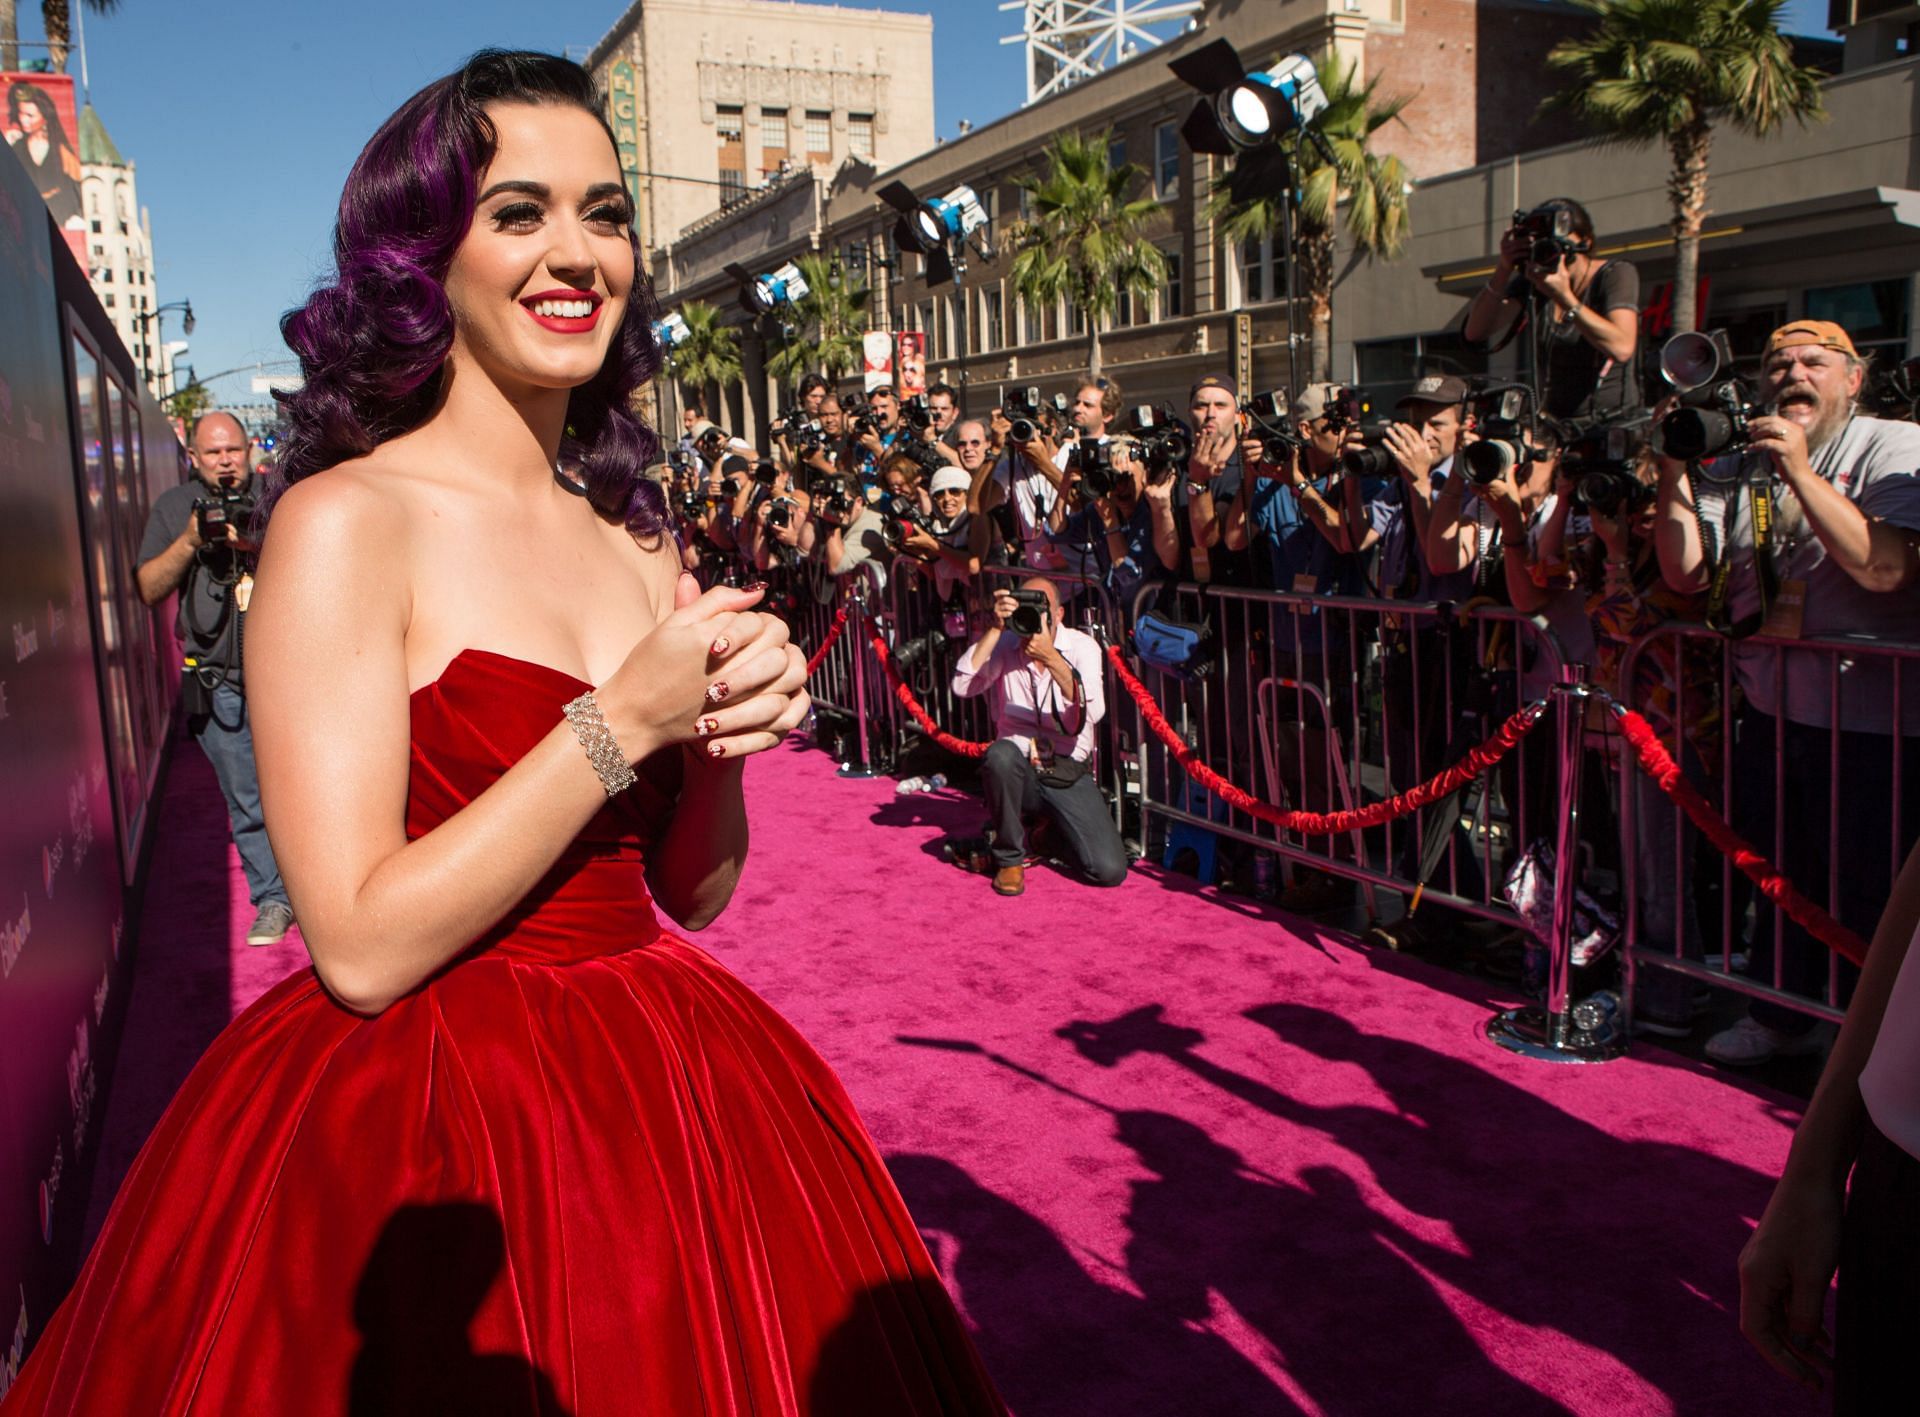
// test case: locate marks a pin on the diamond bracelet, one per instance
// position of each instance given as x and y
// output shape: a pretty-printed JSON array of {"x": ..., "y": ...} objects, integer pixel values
[{"x": 603, "y": 749}]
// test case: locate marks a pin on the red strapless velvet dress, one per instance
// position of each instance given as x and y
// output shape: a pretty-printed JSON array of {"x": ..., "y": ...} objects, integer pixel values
[{"x": 584, "y": 1170}]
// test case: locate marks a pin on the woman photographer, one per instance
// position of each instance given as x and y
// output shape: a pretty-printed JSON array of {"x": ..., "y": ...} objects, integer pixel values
[{"x": 1587, "y": 308}]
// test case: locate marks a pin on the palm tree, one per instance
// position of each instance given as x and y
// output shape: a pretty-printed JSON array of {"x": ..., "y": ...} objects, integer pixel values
[
  {"x": 1668, "y": 71},
  {"x": 827, "y": 325},
  {"x": 9, "y": 35},
  {"x": 1086, "y": 237},
  {"x": 709, "y": 355},
  {"x": 1247, "y": 199},
  {"x": 58, "y": 18}
]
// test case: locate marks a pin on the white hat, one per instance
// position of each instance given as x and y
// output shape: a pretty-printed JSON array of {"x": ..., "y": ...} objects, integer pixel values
[{"x": 949, "y": 479}]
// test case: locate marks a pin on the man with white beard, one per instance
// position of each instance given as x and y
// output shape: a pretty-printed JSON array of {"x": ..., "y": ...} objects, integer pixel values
[{"x": 1838, "y": 554}]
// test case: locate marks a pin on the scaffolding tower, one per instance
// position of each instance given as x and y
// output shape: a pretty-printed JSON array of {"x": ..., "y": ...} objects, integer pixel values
[{"x": 1072, "y": 40}]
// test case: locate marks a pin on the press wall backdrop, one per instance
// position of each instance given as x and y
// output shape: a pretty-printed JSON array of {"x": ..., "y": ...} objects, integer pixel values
[{"x": 86, "y": 693}]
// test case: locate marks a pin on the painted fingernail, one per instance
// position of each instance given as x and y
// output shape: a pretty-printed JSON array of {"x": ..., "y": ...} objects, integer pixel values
[
  {"x": 722, "y": 645},
  {"x": 757, "y": 585},
  {"x": 706, "y": 726},
  {"x": 717, "y": 691},
  {"x": 716, "y": 750}
]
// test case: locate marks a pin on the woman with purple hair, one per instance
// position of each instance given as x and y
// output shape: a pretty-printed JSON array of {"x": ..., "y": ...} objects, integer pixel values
[{"x": 509, "y": 1146}]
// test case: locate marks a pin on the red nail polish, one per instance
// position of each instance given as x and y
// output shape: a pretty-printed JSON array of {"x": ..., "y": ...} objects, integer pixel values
[
  {"x": 716, "y": 750},
  {"x": 717, "y": 692}
]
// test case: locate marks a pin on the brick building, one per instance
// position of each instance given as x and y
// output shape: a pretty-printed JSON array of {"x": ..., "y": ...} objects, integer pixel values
[{"x": 1475, "y": 75}]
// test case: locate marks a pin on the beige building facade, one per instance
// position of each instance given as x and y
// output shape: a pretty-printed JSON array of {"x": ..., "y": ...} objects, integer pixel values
[
  {"x": 711, "y": 100},
  {"x": 1221, "y": 308},
  {"x": 120, "y": 249}
]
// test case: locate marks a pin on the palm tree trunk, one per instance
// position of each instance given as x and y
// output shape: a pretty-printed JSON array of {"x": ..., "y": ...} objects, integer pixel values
[
  {"x": 9, "y": 35},
  {"x": 1687, "y": 187},
  {"x": 58, "y": 16},
  {"x": 1315, "y": 254},
  {"x": 1093, "y": 340}
]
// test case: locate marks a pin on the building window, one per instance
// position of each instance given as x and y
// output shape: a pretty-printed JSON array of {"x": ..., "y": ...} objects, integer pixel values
[
  {"x": 1029, "y": 331},
  {"x": 860, "y": 135},
  {"x": 1172, "y": 296},
  {"x": 95, "y": 224},
  {"x": 1873, "y": 312},
  {"x": 989, "y": 196},
  {"x": 733, "y": 186},
  {"x": 1166, "y": 160},
  {"x": 1389, "y": 368},
  {"x": 1076, "y": 319},
  {"x": 992, "y": 322},
  {"x": 773, "y": 141},
  {"x": 819, "y": 136},
  {"x": 730, "y": 123},
  {"x": 1117, "y": 153},
  {"x": 1260, "y": 273},
  {"x": 109, "y": 299},
  {"x": 1122, "y": 307},
  {"x": 106, "y": 274},
  {"x": 924, "y": 321}
]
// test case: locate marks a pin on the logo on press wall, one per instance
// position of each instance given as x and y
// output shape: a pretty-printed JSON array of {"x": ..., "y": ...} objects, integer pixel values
[
  {"x": 13, "y": 937},
  {"x": 50, "y": 1193}
]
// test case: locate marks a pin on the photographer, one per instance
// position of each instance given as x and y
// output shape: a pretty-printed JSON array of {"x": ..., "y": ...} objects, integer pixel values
[
  {"x": 195, "y": 543},
  {"x": 851, "y": 534},
  {"x": 1048, "y": 695},
  {"x": 780, "y": 521},
  {"x": 942, "y": 545},
  {"x": 1120, "y": 536},
  {"x": 1212, "y": 480},
  {"x": 1588, "y": 308},
  {"x": 1839, "y": 556},
  {"x": 1290, "y": 495},
  {"x": 874, "y": 432},
  {"x": 945, "y": 407},
  {"x": 811, "y": 394},
  {"x": 1026, "y": 483}
]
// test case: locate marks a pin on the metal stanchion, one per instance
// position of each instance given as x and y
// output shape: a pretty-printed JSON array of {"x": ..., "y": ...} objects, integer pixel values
[
  {"x": 862, "y": 765},
  {"x": 1563, "y": 1031}
]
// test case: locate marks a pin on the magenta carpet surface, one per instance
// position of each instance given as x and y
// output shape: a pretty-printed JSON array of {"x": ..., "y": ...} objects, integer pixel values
[{"x": 1175, "y": 1153}]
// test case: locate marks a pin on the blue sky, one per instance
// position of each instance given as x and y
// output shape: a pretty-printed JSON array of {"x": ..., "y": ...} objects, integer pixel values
[{"x": 244, "y": 117}]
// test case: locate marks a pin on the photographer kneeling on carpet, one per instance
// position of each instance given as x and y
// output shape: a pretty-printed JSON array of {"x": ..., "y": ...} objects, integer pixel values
[{"x": 1048, "y": 695}]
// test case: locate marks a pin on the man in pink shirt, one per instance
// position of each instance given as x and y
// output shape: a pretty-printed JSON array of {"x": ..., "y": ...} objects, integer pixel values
[{"x": 1045, "y": 678}]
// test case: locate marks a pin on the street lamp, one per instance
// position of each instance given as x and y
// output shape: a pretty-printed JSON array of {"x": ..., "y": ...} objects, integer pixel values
[{"x": 186, "y": 325}]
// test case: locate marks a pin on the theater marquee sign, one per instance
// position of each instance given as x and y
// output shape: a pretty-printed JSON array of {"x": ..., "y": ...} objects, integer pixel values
[{"x": 623, "y": 105}]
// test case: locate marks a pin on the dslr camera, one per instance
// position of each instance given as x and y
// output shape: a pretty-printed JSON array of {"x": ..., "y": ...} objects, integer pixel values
[
  {"x": 1163, "y": 444},
  {"x": 1031, "y": 612},
  {"x": 1715, "y": 405},
  {"x": 924, "y": 456},
  {"x": 1549, "y": 234},
  {"x": 1500, "y": 417},
  {"x": 832, "y": 497},
  {"x": 1599, "y": 459},
  {"x": 1022, "y": 409},
  {"x": 902, "y": 514},
  {"x": 916, "y": 413},
  {"x": 1272, "y": 414},
  {"x": 215, "y": 512},
  {"x": 1093, "y": 461}
]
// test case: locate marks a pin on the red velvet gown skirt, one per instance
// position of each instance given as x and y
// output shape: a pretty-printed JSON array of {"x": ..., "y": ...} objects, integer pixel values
[{"x": 582, "y": 1171}]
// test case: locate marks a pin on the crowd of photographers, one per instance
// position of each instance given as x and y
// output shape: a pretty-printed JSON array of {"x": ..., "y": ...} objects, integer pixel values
[{"x": 1605, "y": 499}]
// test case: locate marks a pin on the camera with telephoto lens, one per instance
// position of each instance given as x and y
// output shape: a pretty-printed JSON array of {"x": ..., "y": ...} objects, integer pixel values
[
  {"x": 1371, "y": 458},
  {"x": 903, "y": 515},
  {"x": 1093, "y": 461},
  {"x": 1599, "y": 459},
  {"x": 1022, "y": 410},
  {"x": 1271, "y": 414},
  {"x": 1031, "y": 612},
  {"x": 1715, "y": 405},
  {"x": 916, "y": 412},
  {"x": 1162, "y": 443},
  {"x": 229, "y": 507},
  {"x": 780, "y": 512},
  {"x": 832, "y": 496},
  {"x": 1549, "y": 234},
  {"x": 924, "y": 456},
  {"x": 1500, "y": 418},
  {"x": 765, "y": 473},
  {"x": 910, "y": 652}
]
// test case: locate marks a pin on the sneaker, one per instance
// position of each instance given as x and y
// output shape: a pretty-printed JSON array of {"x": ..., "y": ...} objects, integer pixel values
[
  {"x": 270, "y": 926},
  {"x": 1402, "y": 936},
  {"x": 1749, "y": 1043}
]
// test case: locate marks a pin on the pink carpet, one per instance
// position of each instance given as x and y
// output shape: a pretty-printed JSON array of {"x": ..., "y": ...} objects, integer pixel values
[{"x": 1173, "y": 1152}]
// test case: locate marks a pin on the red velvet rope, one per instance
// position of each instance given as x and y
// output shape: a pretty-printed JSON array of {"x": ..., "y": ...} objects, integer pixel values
[
  {"x": 920, "y": 716},
  {"x": 833, "y": 633},
  {"x": 1477, "y": 761},
  {"x": 1660, "y": 766}
]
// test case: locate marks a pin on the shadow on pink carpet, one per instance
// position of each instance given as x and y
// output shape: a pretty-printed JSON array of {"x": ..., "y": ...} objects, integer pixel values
[{"x": 1177, "y": 1152}]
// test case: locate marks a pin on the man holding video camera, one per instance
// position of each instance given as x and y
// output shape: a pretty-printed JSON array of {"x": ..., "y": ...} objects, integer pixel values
[
  {"x": 196, "y": 543},
  {"x": 1806, "y": 524},
  {"x": 1045, "y": 677}
]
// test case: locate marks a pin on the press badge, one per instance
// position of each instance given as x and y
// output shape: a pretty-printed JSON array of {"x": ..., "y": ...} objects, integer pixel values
[
  {"x": 1787, "y": 612},
  {"x": 1305, "y": 584}
]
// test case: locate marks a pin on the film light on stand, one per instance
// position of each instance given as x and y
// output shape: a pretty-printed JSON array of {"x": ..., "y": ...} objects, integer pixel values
[{"x": 1238, "y": 109}]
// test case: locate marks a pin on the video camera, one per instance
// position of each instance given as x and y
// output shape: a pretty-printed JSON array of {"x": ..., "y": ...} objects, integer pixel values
[
  {"x": 215, "y": 512},
  {"x": 1163, "y": 444},
  {"x": 1599, "y": 458},
  {"x": 1715, "y": 405},
  {"x": 1500, "y": 418}
]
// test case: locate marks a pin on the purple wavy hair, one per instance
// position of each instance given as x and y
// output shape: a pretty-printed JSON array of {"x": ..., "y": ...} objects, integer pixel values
[{"x": 373, "y": 343}]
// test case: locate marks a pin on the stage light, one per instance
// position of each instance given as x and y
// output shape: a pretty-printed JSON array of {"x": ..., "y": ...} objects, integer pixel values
[
  {"x": 763, "y": 294},
  {"x": 1239, "y": 110},
  {"x": 930, "y": 228},
  {"x": 670, "y": 331}
]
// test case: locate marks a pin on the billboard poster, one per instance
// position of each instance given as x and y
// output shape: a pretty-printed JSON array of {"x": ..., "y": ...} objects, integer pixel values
[
  {"x": 877, "y": 350},
  {"x": 43, "y": 129},
  {"x": 911, "y": 363}
]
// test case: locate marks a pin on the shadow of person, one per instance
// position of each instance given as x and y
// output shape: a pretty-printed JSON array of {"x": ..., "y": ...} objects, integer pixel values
[
  {"x": 1625, "y": 1244},
  {"x": 1358, "y": 1327},
  {"x": 904, "y": 1316},
  {"x": 424, "y": 1282},
  {"x": 1059, "y": 1342}
]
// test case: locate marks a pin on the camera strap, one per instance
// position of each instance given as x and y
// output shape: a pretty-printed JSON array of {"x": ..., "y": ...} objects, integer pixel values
[{"x": 1715, "y": 546}]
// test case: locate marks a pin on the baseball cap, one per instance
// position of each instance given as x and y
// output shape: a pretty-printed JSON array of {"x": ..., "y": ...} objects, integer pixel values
[
  {"x": 1313, "y": 400},
  {"x": 1437, "y": 388},
  {"x": 702, "y": 428},
  {"x": 1822, "y": 332},
  {"x": 950, "y": 479},
  {"x": 1214, "y": 381}
]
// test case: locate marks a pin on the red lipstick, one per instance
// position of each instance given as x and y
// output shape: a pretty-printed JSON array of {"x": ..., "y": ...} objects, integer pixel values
[{"x": 548, "y": 306}]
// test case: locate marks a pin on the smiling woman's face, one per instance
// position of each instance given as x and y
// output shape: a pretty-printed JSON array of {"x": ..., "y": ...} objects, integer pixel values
[{"x": 540, "y": 286}]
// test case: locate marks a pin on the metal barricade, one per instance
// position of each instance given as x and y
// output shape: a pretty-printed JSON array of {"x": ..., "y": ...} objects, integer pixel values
[
  {"x": 1325, "y": 702},
  {"x": 847, "y": 684},
  {"x": 1810, "y": 749}
]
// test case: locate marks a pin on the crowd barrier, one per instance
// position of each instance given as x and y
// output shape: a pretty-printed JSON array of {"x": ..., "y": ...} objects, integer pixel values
[{"x": 1318, "y": 706}]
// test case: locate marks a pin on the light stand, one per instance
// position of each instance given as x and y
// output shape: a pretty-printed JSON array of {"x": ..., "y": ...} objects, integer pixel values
[{"x": 940, "y": 231}]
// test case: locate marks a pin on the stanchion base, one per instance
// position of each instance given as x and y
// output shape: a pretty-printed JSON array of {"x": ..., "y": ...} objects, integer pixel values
[
  {"x": 855, "y": 770},
  {"x": 1528, "y": 1032}
]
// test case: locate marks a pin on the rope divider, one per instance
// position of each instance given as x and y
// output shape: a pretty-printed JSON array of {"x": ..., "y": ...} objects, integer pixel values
[
  {"x": 904, "y": 694},
  {"x": 833, "y": 633}
]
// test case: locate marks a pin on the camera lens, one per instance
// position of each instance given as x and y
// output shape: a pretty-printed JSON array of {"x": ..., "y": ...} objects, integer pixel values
[
  {"x": 1370, "y": 461},
  {"x": 1022, "y": 430},
  {"x": 1489, "y": 460},
  {"x": 1690, "y": 433}
]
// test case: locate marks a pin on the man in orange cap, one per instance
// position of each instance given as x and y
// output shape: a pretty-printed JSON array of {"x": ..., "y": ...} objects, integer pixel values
[{"x": 1836, "y": 554}]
